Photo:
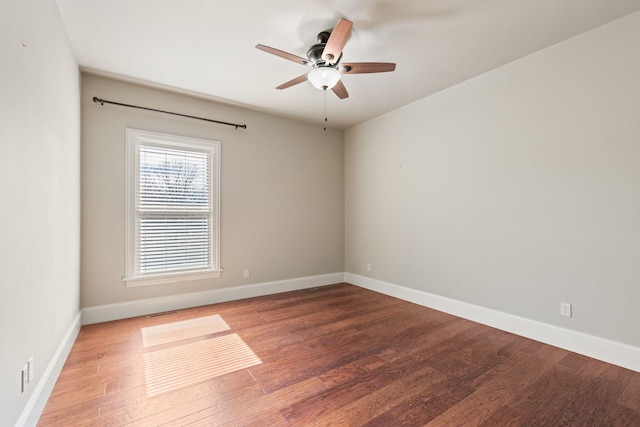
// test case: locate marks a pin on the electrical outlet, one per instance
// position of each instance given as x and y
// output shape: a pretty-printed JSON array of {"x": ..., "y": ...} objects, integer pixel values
[
  {"x": 25, "y": 378},
  {"x": 31, "y": 369},
  {"x": 246, "y": 274},
  {"x": 565, "y": 309},
  {"x": 368, "y": 267}
]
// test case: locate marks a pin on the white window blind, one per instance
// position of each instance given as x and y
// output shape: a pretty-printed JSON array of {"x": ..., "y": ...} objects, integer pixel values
[{"x": 173, "y": 226}]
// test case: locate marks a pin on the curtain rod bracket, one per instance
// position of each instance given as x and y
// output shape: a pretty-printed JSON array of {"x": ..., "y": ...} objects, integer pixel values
[{"x": 103, "y": 101}]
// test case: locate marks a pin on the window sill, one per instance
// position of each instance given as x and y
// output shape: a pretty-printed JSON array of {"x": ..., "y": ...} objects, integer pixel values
[{"x": 158, "y": 279}]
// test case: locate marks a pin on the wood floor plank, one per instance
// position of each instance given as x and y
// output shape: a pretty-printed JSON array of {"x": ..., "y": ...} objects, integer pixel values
[
  {"x": 630, "y": 397},
  {"x": 619, "y": 415},
  {"x": 546, "y": 392},
  {"x": 335, "y": 355},
  {"x": 598, "y": 394}
]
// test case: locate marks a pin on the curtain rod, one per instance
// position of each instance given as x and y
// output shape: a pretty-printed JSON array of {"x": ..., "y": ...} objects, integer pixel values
[{"x": 104, "y": 101}]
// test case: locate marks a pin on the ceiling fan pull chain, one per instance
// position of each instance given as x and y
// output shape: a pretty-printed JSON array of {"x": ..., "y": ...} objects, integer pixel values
[{"x": 325, "y": 108}]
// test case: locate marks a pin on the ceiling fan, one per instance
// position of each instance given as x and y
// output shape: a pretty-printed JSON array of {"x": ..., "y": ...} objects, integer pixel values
[{"x": 325, "y": 57}]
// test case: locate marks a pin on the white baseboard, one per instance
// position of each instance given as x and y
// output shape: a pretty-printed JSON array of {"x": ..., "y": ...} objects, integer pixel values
[
  {"x": 613, "y": 352},
  {"x": 36, "y": 403},
  {"x": 108, "y": 312}
]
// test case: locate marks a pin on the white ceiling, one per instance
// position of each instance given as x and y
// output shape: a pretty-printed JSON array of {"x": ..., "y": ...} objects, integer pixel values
[{"x": 207, "y": 47}]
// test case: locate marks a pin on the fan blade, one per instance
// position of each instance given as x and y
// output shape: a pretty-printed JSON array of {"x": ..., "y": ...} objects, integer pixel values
[
  {"x": 366, "y": 67},
  {"x": 282, "y": 54},
  {"x": 340, "y": 90},
  {"x": 338, "y": 38},
  {"x": 293, "y": 82}
]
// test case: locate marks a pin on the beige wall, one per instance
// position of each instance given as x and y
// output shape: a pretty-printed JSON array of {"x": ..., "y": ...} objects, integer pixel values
[
  {"x": 513, "y": 191},
  {"x": 282, "y": 191},
  {"x": 39, "y": 195}
]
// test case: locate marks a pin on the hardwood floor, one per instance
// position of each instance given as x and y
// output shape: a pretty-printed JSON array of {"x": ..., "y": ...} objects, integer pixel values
[{"x": 336, "y": 355}]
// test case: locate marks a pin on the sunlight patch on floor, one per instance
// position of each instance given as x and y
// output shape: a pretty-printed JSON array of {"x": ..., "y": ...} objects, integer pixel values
[
  {"x": 182, "y": 330},
  {"x": 192, "y": 363}
]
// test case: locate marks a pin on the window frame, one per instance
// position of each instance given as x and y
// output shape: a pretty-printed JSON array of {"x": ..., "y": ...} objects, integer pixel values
[{"x": 136, "y": 138}]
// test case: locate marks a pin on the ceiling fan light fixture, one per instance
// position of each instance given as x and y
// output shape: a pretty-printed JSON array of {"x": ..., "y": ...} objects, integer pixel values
[{"x": 324, "y": 77}]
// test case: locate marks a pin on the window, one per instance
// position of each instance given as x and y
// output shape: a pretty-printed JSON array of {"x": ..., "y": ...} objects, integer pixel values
[{"x": 172, "y": 208}]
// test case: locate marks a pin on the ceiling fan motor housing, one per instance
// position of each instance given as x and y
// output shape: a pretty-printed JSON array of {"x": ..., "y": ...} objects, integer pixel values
[
  {"x": 315, "y": 56},
  {"x": 323, "y": 36},
  {"x": 315, "y": 52}
]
